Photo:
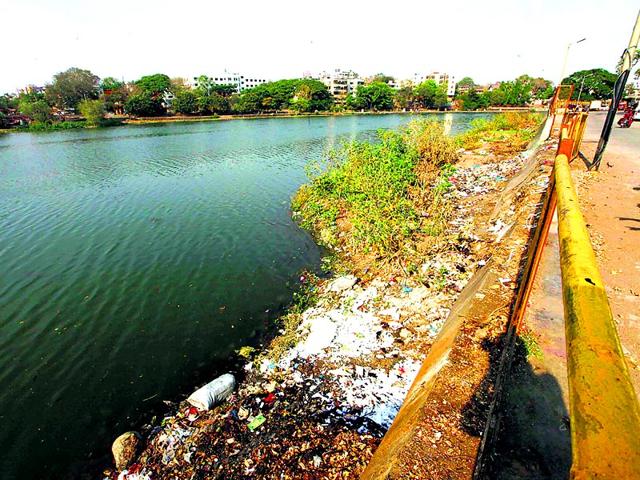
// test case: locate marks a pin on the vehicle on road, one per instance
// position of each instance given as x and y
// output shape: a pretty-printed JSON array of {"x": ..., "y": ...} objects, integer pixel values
[{"x": 628, "y": 116}]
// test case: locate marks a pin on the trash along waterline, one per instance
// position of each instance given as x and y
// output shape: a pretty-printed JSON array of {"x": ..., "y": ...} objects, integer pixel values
[{"x": 323, "y": 404}]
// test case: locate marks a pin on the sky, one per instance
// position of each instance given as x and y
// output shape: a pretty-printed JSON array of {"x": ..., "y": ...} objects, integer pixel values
[{"x": 486, "y": 40}]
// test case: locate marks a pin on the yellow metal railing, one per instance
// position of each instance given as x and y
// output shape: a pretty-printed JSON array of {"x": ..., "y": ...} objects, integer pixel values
[{"x": 605, "y": 416}]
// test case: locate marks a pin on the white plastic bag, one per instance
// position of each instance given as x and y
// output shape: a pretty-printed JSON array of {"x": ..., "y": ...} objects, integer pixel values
[{"x": 213, "y": 393}]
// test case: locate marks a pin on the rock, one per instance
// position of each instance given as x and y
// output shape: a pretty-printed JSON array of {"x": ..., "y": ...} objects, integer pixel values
[
  {"x": 405, "y": 333},
  {"x": 341, "y": 284},
  {"x": 125, "y": 449}
]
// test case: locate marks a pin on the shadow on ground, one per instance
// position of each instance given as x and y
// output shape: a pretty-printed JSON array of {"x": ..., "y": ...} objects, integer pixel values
[{"x": 528, "y": 436}]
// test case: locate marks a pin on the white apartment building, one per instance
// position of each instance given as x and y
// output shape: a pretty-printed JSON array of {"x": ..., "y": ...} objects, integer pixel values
[
  {"x": 241, "y": 82},
  {"x": 340, "y": 83},
  {"x": 438, "y": 77}
]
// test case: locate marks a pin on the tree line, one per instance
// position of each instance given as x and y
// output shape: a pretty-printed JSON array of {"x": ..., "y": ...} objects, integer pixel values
[{"x": 80, "y": 91}]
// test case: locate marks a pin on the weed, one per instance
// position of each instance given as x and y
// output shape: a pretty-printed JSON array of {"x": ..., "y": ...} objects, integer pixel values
[
  {"x": 506, "y": 133},
  {"x": 367, "y": 197},
  {"x": 531, "y": 345}
]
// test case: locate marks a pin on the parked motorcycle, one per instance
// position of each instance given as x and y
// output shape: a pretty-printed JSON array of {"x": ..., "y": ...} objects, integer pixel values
[{"x": 627, "y": 117}]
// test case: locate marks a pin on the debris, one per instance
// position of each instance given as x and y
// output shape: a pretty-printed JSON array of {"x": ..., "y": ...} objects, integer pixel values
[
  {"x": 256, "y": 422},
  {"x": 213, "y": 392},
  {"x": 341, "y": 284}
]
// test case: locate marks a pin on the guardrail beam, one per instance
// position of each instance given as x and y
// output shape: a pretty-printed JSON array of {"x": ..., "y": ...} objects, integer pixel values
[{"x": 605, "y": 416}]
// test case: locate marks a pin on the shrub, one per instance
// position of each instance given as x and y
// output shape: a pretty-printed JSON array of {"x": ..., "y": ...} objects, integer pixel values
[
  {"x": 185, "y": 102},
  {"x": 506, "y": 133},
  {"x": 92, "y": 111},
  {"x": 144, "y": 104},
  {"x": 39, "y": 111},
  {"x": 376, "y": 191}
]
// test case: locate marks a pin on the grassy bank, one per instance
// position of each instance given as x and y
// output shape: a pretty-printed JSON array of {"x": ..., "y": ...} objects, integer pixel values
[
  {"x": 505, "y": 134},
  {"x": 385, "y": 204},
  {"x": 66, "y": 125},
  {"x": 374, "y": 202}
]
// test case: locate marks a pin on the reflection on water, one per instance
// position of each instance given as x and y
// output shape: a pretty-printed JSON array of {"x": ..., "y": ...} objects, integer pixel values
[{"x": 127, "y": 258}]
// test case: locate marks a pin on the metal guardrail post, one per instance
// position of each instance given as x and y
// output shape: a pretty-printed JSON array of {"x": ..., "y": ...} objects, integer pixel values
[{"x": 605, "y": 415}]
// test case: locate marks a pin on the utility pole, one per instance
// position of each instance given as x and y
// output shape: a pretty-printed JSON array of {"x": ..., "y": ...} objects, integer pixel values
[{"x": 618, "y": 91}]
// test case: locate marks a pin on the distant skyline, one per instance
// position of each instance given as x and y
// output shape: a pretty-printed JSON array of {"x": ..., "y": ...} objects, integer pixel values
[{"x": 488, "y": 41}]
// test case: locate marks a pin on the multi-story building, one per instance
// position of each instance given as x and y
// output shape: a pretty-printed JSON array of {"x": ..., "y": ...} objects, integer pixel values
[
  {"x": 439, "y": 78},
  {"x": 340, "y": 83},
  {"x": 241, "y": 82}
]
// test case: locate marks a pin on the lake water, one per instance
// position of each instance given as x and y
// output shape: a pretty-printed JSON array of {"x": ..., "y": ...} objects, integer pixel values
[{"x": 134, "y": 260}]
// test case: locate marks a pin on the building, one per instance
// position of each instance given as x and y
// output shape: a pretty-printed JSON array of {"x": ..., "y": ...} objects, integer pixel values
[
  {"x": 439, "y": 78},
  {"x": 340, "y": 83},
  {"x": 31, "y": 89},
  {"x": 241, "y": 82}
]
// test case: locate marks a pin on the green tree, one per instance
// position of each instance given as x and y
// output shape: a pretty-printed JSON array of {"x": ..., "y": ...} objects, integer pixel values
[
  {"x": 38, "y": 110},
  {"x": 185, "y": 102},
  {"x": 470, "y": 100},
  {"x": 213, "y": 104},
  {"x": 115, "y": 100},
  {"x": 71, "y": 86},
  {"x": 512, "y": 93},
  {"x": 598, "y": 83},
  {"x": 8, "y": 101},
  {"x": 353, "y": 102},
  {"x": 93, "y": 111},
  {"x": 441, "y": 100},
  {"x": 426, "y": 93},
  {"x": 404, "y": 98},
  {"x": 311, "y": 96},
  {"x": 155, "y": 84},
  {"x": 110, "y": 84},
  {"x": 381, "y": 77},
  {"x": 144, "y": 104},
  {"x": 283, "y": 94},
  {"x": 541, "y": 88},
  {"x": 205, "y": 86},
  {"x": 466, "y": 83},
  {"x": 375, "y": 96}
]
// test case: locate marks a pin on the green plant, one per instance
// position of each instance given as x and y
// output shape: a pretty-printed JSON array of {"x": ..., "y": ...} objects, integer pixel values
[
  {"x": 531, "y": 345},
  {"x": 507, "y": 132},
  {"x": 185, "y": 102},
  {"x": 144, "y": 104},
  {"x": 366, "y": 197},
  {"x": 306, "y": 295},
  {"x": 39, "y": 111},
  {"x": 92, "y": 111}
]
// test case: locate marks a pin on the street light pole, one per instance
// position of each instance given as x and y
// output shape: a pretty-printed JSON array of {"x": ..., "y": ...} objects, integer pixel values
[
  {"x": 618, "y": 90},
  {"x": 566, "y": 59}
]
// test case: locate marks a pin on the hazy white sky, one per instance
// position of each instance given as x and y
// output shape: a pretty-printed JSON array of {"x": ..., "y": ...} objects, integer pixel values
[{"x": 487, "y": 40}]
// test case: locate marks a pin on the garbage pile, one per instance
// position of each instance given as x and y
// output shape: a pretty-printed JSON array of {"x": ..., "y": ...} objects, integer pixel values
[{"x": 480, "y": 179}]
